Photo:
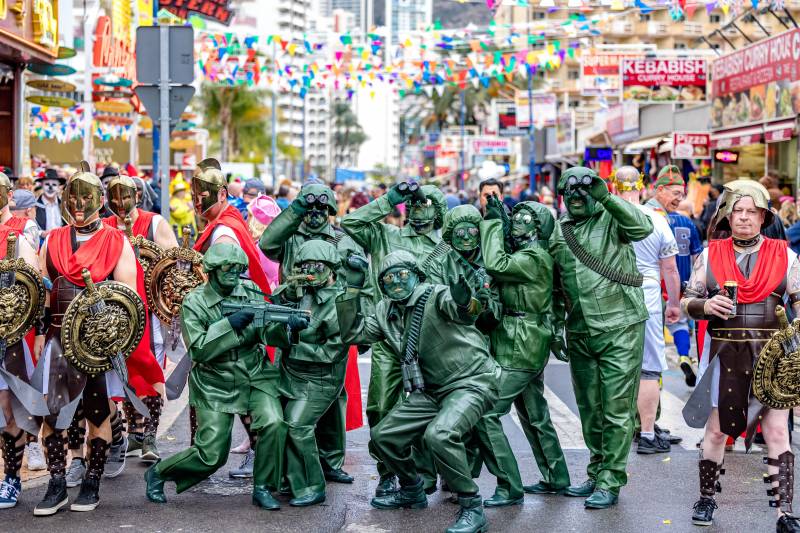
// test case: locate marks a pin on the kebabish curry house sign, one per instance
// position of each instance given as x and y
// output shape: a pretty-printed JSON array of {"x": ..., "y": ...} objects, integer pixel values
[{"x": 218, "y": 10}]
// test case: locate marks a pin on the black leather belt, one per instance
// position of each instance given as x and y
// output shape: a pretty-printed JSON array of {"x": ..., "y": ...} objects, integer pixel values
[{"x": 516, "y": 314}]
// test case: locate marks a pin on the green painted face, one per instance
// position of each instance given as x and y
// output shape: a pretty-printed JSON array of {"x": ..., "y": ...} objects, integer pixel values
[
  {"x": 465, "y": 237},
  {"x": 524, "y": 224},
  {"x": 316, "y": 219},
  {"x": 319, "y": 273},
  {"x": 579, "y": 205},
  {"x": 421, "y": 216},
  {"x": 399, "y": 282},
  {"x": 225, "y": 278}
]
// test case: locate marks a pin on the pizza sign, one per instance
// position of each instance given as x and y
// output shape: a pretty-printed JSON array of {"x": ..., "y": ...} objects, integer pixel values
[
  {"x": 691, "y": 145},
  {"x": 218, "y": 10}
]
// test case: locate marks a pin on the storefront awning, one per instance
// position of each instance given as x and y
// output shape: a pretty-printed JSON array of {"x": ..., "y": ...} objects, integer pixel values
[
  {"x": 736, "y": 137},
  {"x": 779, "y": 131},
  {"x": 644, "y": 144}
]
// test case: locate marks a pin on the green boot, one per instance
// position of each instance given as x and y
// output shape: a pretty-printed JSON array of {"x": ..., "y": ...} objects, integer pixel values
[
  {"x": 386, "y": 486},
  {"x": 601, "y": 499},
  {"x": 470, "y": 517},
  {"x": 263, "y": 498},
  {"x": 408, "y": 497},
  {"x": 583, "y": 490},
  {"x": 502, "y": 499},
  {"x": 154, "y": 489},
  {"x": 544, "y": 487},
  {"x": 312, "y": 498}
]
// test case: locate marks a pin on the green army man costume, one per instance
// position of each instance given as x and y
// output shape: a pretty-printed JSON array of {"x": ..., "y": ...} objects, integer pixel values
[
  {"x": 418, "y": 237},
  {"x": 313, "y": 370},
  {"x": 521, "y": 345},
  {"x": 447, "y": 371},
  {"x": 306, "y": 219},
  {"x": 605, "y": 319},
  {"x": 230, "y": 375}
]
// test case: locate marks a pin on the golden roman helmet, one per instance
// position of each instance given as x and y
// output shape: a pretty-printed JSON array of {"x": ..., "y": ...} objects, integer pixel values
[
  {"x": 208, "y": 179},
  {"x": 82, "y": 198},
  {"x": 121, "y": 192},
  {"x": 627, "y": 178},
  {"x": 5, "y": 188},
  {"x": 733, "y": 192}
]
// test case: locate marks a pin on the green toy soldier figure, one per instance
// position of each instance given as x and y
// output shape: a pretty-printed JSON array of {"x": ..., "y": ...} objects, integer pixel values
[
  {"x": 605, "y": 319},
  {"x": 425, "y": 211},
  {"x": 313, "y": 370},
  {"x": 521, "y": 346},
  {"x": 230, "y": 375},
  {"x": 450, "y": 379}
]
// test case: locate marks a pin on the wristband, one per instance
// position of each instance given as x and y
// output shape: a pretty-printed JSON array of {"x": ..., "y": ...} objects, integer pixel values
[{"x": 696, "y": 308}]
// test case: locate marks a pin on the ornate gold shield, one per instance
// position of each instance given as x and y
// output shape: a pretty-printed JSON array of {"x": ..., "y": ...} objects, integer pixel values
[
  {"x": 776, "y": 376},
  {"x": 149, "y": 252},
  {"x": 170, "y": 279},
  {"x": 21, "y": 298},
  {"x": 104, "y": 320}
]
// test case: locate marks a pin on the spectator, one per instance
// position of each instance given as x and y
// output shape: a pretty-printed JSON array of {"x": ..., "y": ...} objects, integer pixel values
[
  {"x": 23, "y": 206},
  {"x": 48, "y": 212},
  {"x": 486, "y": 188},
  {"x": 283, "y": 197},
  {"x": 709, "y": 208},
  {"x": 235, "y": 188},
  {"x": 378, "y": 191},
  {"x": 788, "y": 211},
  {"x": 181, "y": 208},
  {"x": 25, "y": 183},
  {"x": 263, "y": 211},
  {"x": 253, "y": 188}
]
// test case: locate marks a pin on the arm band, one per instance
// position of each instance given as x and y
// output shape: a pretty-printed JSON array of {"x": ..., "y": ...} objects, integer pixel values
[
  {"x": 794, "y": 298},
  {"x": 696, "y": 308}
]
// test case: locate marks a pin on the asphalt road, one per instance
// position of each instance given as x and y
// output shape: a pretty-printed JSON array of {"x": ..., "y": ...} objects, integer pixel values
[{"x": 659, "y": 496}]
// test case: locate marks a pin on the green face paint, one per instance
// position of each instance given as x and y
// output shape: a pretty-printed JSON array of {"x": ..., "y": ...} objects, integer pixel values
[
  {"x": 465, "y": 237},
  {"x": 316, "y": 219},
  {"x": 421, "y": 216},
  {"x": 319, "y": 273},
  {"x": 225, "y": 278},
  {"x": 524, "y": 224},
  {"x": 578, "y": 204},
  {"x": 399, "y": 282}
]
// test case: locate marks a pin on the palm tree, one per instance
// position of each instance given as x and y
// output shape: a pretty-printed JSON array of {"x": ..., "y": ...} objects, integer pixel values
[{"x": 348, "y": 134}]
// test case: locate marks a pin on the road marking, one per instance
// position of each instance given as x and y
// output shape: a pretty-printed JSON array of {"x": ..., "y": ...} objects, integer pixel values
[
  {"x": 672, "y": 419},
  {"x": 567, "y": 425}
]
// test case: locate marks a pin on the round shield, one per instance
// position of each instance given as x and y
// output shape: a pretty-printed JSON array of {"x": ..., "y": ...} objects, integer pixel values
[
  {"x": 105, "y": 319},
  {"x": 169, "y": 280},
  {"x": 22, "y": 298},
  {"x": 149, "y": 253},
  {"x": 776, "y": 376}
]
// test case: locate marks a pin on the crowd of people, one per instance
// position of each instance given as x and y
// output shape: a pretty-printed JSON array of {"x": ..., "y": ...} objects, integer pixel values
[{"x": 459, "y": 299}]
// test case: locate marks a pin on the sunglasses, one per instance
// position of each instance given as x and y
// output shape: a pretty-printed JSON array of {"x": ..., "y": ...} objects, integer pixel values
[
  {"x": 312, "y": 267},
  {"x": 525, "y": 218},
  {"x": 463, "y": 232},
  {"x": 234, "y": 269},
  {"x": 400, "y": 275}
]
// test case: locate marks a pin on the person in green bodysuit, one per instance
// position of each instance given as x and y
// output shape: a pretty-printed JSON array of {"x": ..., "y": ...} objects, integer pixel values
[
  {"x": 605, "y": 318},
  {"x": 450, "y": 379},
  {"x": 419, "y": 237},
  {"x": 521, "y": 345},
  {"x": 306, "y": 219},
  {"x": 312, "y": 371},
  {"x": 230, "y": 375}
]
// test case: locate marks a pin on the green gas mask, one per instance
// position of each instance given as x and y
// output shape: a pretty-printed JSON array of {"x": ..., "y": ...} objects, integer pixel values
[
  {"x": 421, "y": 216},
  {"x": 399, "y": 282},
  {"x": 317, "y": 273},
  {"x": 465, "y": 237},
  {"x": 315, "y": 218},
  {"x": 524, "y": 224}
]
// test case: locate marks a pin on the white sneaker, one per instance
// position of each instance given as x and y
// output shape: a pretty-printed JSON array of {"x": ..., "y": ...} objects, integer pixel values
[{"x": 35, "y": 457}]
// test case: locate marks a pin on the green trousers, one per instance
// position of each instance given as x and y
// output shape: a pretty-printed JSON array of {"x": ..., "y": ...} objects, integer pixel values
[
  {"x": 525, "y": 390},
  {"x": 314, "y": 391},
  {"x": 605, "y": 374},
  {"x": 332, "y": 434},
  {"x": 443, "y": 423},
  {"x": 212, "y": 443}
]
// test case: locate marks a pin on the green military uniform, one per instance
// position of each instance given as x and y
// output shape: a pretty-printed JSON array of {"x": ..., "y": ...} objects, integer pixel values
[
  {"x": 605, "y": 325},
  {"x": 521, "y": 346},
  {"x": 280, "y": 242},
  {"x": 230, "y": 375},
  {"x": 366, "y": 227},
  {"x": 312, "y": 374},
  {"x": 460, "y": 384}
]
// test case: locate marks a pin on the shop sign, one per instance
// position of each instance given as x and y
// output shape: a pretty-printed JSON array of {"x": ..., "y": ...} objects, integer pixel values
[
  {"x": 565, "y": 134},
  {"x": 45, "y": 23},
  {"x": 111, "y": 106},
  {"x": 600, "y": 72},
  {"x": 52, "y": 86},
  {"x": 507, "y": 120},
  {"x": 652, "y": 80},
  {"x": 726, "y": 156},
  {"x": 31, "y": 26},
  {"x": 46, "y": 69},
  {"x": 544, "y": 109},
  {"x": 51, "y": 101},
  {"x": 110, "y": 51},
  {"x": 488, "y": 146},
  {"x": 622, "y": 122},
  {"x": 691, "y": 145},
  {"x": 598, "y": 153},
  {"x": 757, "y": 83},
  {"x": 218, "y": 10}
]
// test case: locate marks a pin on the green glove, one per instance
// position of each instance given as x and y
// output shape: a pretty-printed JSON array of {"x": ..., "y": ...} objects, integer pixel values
[
  {"x": 356, "y": 272},
  {"x": 598, "y": 189},
  {"x": 558, "y": 348},
  {"x": 394, "y": 195},
  {"x": 494, "y": 209},
  {"x": 461, "y": 292},
  {"x": 299, "y": 206}
]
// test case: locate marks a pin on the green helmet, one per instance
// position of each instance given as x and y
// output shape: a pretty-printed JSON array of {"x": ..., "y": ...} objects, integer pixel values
[
  {"x": 401, "y": 258},
  {"x": 318, "y": 189},
  {"x": 317, "y": 250},
  {"x": 547, "y": 222},
  {"x": 457, "y": 215},
  {"x": 435, "y": 195},
  {"x": 224, "y": 253},
  {"x": 577, "y": 172}
]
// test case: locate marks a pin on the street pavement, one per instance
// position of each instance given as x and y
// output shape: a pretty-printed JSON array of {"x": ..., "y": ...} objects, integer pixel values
[{"x": 658, "y": 497}]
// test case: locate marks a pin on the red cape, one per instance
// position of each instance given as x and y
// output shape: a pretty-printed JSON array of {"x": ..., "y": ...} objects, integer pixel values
[
  {"x": 4, "y": 231},
  {"x": 769, "y": 271},
  {"x": 232, "y": 218},
  {"x": 140, "y": 227},
  {"x": 352, "y": 384},
  {"x": 101, "y": 254},
  {"x": 17, "y": 224}
]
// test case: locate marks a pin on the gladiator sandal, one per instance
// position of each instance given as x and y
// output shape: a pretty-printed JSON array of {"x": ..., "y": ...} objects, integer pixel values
[
  {"x": 709, "y": 486},
  {"x": 89, "y": 495},
  {"x": 56, "y": 496},
  {"x": 783, "y": 492},
  {"x": 149, "y": 448},
  {"x": 133, "y": 426},
  {"x": 11, "y": 485},
  {"x": 115, "y": 462},
  {"x": 76, "y": 434}
]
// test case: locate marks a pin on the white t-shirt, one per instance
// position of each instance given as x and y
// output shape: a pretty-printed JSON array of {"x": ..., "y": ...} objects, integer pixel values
[
  {"x": 225, "y": 231},
  {"x": 650, "y": 251}
]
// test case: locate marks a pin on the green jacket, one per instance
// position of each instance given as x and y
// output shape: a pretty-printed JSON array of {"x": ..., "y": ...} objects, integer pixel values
[
  {"x": 320, "y": 342},
  {"x": 226, "y": 365},
  {"x": 594, "y": 304},
  {"x": 525, "y": 282},
  {"x": 452, "y": 352},
  {"x": 366, "y": 227}
]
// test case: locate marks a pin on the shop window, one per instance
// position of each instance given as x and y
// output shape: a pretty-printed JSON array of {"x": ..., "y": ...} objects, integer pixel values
[
  {"x": 644, "y": 18},
  {"x": 539, "y": 15},
  {"x": 680, "y": 46},
  {"x": 714, "y": 18},
  {"x": 573, "y": 74}
]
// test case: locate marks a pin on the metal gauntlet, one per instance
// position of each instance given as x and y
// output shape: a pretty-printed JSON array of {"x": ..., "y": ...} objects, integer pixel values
[{"x": 695, "y": 308}]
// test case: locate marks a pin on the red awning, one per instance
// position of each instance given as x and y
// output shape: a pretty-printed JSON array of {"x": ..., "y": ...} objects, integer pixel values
[
  {"x": 779, "y": 131},
  {"x": 724, "y": 139}
]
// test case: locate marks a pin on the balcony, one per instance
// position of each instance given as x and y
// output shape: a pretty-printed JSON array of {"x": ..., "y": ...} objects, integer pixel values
[
  {"x": 621, "y": 27},
  {"x": 692, "y": 29},
  {"x": 657, "y": 29}
]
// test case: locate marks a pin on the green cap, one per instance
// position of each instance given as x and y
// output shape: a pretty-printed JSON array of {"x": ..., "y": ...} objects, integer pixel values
[
  {"x": 669, "y": 175},
  {"x": 317, "y": 250},
  {"x": 457, "y": 215}
]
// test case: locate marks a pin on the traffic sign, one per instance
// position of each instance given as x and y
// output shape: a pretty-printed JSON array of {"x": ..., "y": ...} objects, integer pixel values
[
  {"x": 179, "y": 97},
  {"x": 180, "y": 50}
]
